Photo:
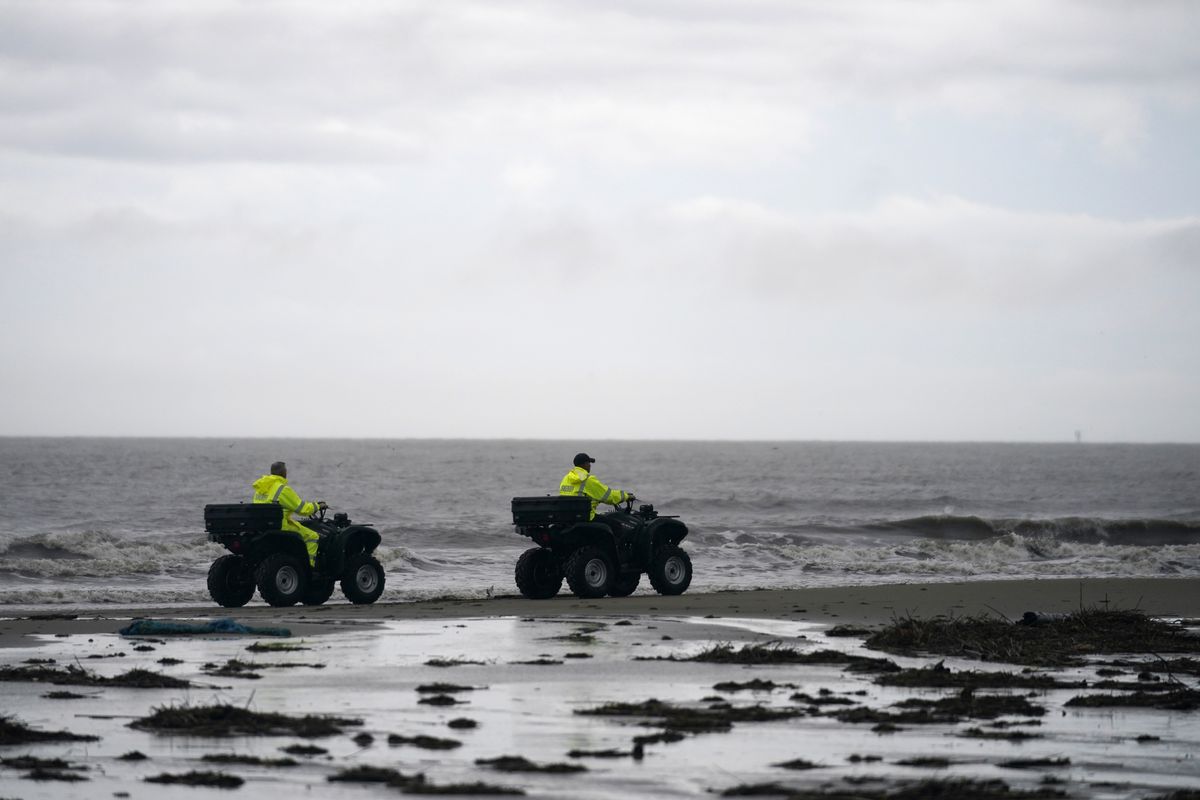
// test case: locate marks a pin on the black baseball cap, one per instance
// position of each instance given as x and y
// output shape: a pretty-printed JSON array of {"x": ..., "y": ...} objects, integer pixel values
[{"x": 583, "y": 458}]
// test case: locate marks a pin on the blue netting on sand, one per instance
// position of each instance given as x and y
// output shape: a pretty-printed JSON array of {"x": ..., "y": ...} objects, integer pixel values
[{"x": 162, "y": 627}]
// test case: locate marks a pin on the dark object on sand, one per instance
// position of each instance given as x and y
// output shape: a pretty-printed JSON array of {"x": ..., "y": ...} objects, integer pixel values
[
  {"x": 171, "y": 627},
  {"x": 73, "y": 675},
  {"x": 439, "y": 700},
  {"x": 959, "y": 789},
  {"x": 939, "y": 676},
  {"x": 443, "y": 688},
  {"x": 276, "y": 561},
  {"x": 133, "y": 755},
  {"x": 462, "y": 723},
  {"x": 308, "y": 750},
  {"x": 14, "y": 732},
  {"x": 424, "y": 742},
  {"x": 62, "y": 695},
  {"x": 678, "y": 720},
  {"x": 254, "y": 761},
  {"x": 849, "y": 630},
  {"x": 33, "y": 762},
  {"x": 40, "y": 774},
  {"x": 776, "y": 653},
  {"x": 1054, "y": 642},
  {"x": 522, "y": 764},
  {"x": 604, "y": 556},
  {"x": 227, "y": 720},
  {"x": 217, "y": 780},
  {"x": 1181, "y": 699},
  {"x": 416, "y": 784}
]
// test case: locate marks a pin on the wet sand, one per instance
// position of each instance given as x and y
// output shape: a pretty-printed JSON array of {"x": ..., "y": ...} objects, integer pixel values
[
  {"x": 527, "y": 673},
  {"x": 858, "y": 605}
]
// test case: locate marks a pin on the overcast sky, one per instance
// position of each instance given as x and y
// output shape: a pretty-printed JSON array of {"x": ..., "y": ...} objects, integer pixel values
[{"x": 765, "y": 219}]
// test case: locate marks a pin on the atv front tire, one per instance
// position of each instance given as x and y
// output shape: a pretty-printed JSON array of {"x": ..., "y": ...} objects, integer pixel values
[
  {"x": 317, "y": 592},
  {"x": 282, "y": 580},
  {"x": 363, "y": 580},
  {"x": 670, "y": 571},
  {"x": 230, "y": 583},
  {"x": 625, "y": 584},
  {"x": 538, "y": 574},
  {"x": 589, "y": 572}
]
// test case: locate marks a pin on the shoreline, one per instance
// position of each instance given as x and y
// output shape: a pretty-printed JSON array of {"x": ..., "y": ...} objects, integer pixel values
[{"x": 854, "y": 605}]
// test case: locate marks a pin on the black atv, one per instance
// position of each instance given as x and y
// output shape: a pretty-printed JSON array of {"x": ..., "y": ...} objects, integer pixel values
[
  {"x": 277, "y": 562},
  {"x": 604, "y": 556}
]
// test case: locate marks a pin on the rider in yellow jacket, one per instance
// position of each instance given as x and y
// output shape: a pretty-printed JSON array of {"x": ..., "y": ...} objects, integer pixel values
[
  {"x": 274, "y": 488},
  {"x": 579, "y": 481}
]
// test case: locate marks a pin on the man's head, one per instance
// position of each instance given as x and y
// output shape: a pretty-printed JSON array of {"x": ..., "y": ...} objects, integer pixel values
[
  {"x": 279, "y": 468},
  {"x": 584, "y": 460}
]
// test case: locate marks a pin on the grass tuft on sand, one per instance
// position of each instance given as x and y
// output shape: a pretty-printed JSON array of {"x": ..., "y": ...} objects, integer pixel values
[
  {"x": 1054, "y": 642},
  {"x": 72, "y": 675},
  {"x": 227, "y": 720}
]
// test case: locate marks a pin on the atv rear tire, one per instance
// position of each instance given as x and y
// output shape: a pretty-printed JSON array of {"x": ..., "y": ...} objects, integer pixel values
[
  {"x": 670, "y": 570},
  {"x": 363, "y": 580},
  {"x": 230, "y": 583},
  {"x": 282, "y": 580},
  {"x": 625, "y": 584},
  {"x": 589, "y": 572},
  {"x": 317, "y": 592},
  {"x": 538, "y": 574}
]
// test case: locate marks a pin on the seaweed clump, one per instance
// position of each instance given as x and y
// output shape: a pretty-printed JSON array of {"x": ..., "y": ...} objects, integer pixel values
[
  {"x": 14, "y": 732},
  {"x": 417, "y": 784},
  {"x": 72, "y": 675},
  {"x": 960, "y": 789},
  {"x": 227, "y": 720},
  {"x": 1052, "y": 642},
  {"x": 522, "y": 764},
  {"x": 217, "y": 780},
  {"x": 1178, "y": 699},
  {"x": 679, "y": 720},
  {"x": 776, "y": 653},
  {"x": 939, "y": 676}
]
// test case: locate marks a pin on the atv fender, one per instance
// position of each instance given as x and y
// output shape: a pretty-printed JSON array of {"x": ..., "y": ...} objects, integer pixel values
[
  {"x": 662, "y": 532},
  {"x": 341, "y": 546},
  {"x": 586, "y": 533},
  {"x": 278, "y": 542}
]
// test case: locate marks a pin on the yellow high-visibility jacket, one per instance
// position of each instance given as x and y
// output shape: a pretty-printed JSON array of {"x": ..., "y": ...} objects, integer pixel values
[
  {"x": 579, "y": 481},
  {"x": 275, "y": 489}
]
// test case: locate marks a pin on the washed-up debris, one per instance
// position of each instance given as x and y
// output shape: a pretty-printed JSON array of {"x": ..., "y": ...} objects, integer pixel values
[
  {"x": 959, "y": 789},
  {"x": 440, "y": 700},
  {"x": 424, "y": 742},
  {"x": 940, "y": 676},
  {"x": 666, "y": 737},
  {"x": 1055, "y": 642},
  {"x": 1034, "y": 763},
  {"x": 797, "y": 764},
  {"x": 227, "y": 625},
  {"x": 1167, "y": 666},
  {"x": 254, "y": 761},
  {"x": 276, "y": 647},
  {"x": 776, "y": 653},
  {"x": 855, "y": 758},
  {"x": 307, "y": 750},
  {"x": 369, "y": 774},
  {"x": 73, "y": 675},
  {"x": 1180, "y": 699},
  {"x": 470, "y": 789},
  {"x": 462, "y": 723},
  {"x": 537, "y": 662},
  {"x": 1007, "y": 736},
  {"x": 64, "y": 696},
  {"x": 170, "y": 662},
  {"x": 452, "y": 662},
  {"x": 364, "y": 739},
  {"x": 33, "y": 762},
  {"x": 755, "y": 685},
  {"x": 680, "y": 719},
  {"x": 522, "y": 764},
  {"x": 40, "y": 774},
  {"x": 443, "y": 688},
  {"x": 822, "y": 700},
  {"x": 217, "y": 780},
  {"x": 1146, "y": 738},
  {"x": 133, "y": 755},
  {"x": 1153, "y": 685},
  {"x": 610, "y": 753},
  {"x": 14, "y": 732},
  {"x": 232, "y": 668},
  {"x": 947, "y": 710},
  {"x": 928, "y": 762},
  {"x": 849, "y": 630},
  {"x": 577, "y": 655},
  {"x": 228, "y": 720}
]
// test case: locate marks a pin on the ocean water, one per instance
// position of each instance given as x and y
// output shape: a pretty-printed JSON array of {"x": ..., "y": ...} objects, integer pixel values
[{"x": 120, "y": 521}]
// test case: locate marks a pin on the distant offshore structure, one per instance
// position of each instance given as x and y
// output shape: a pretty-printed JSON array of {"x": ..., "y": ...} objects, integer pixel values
[{"x": 1078, "y": 437}]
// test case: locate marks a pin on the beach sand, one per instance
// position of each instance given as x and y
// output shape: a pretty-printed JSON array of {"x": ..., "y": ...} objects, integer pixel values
[{"x": 370, "y": 663}]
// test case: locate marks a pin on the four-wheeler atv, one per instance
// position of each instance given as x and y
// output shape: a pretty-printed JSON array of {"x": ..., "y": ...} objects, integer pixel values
[
  {"x": 276, "y": 560},
  {"x": 604, "y": 556}
]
